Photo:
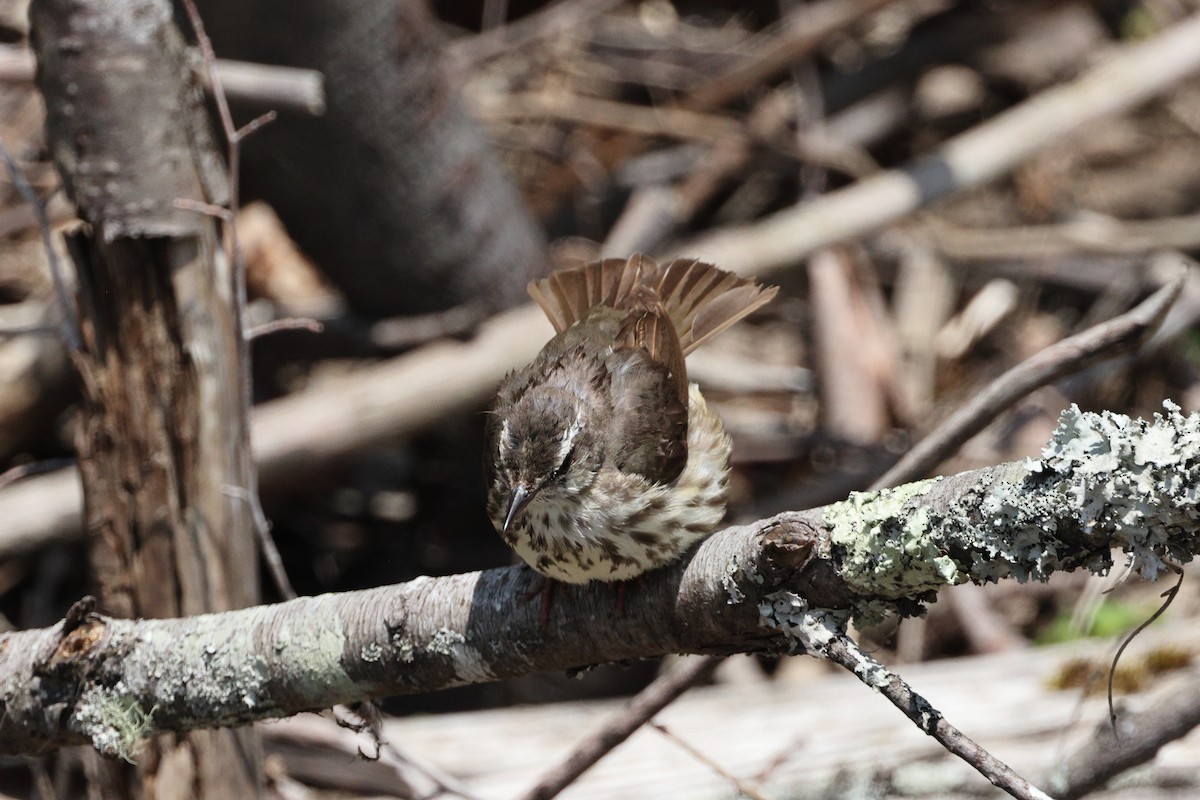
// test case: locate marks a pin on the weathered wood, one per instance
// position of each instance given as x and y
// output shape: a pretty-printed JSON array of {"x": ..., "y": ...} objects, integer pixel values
[
  {"x": 805, "y": 734},
  {"x": 161, "y": 428}
]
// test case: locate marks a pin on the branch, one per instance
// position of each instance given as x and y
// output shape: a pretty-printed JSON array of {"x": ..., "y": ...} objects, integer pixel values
[
  {"x": 1135, "y": 74},
  {"x": 1106, "y": 481},
  {"x": 1141, "y": 735},
  {"x": 1119, "y": 335},
  {"x": 305, "y": 433},
  {"x": 288, "y": 88},
  {"x": 835, "y": 645}
]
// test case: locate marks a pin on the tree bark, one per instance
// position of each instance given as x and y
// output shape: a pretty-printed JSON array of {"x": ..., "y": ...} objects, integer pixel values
[
  {"x": 161, "y": 437},
  {"x": 1105, "y": 482}
]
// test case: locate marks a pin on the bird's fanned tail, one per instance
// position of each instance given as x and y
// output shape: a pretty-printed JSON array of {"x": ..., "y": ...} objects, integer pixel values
[{"x": 700, "y": 299}]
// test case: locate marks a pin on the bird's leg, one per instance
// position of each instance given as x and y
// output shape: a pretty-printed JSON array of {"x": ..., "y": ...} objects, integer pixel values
[
  {"x": 546, "y": 590},
  {"x": 621, "y": 587}
]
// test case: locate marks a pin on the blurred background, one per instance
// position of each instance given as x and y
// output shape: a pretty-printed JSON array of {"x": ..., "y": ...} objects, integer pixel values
[{"x": 462, "y": 149}]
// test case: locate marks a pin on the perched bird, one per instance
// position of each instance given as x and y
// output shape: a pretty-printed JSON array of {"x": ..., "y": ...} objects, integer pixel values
[{"x": 603, "y": 462}]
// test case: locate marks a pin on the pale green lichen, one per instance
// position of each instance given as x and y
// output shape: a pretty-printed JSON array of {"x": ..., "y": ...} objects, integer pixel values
[
  {"x": 114, "y": 722},
  {"x": 1104, "y": 481},
  {"x": 886, "y": 544}
]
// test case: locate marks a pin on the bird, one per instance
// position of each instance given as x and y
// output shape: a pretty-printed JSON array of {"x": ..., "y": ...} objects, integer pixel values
[{"x": 603, "y": 462}]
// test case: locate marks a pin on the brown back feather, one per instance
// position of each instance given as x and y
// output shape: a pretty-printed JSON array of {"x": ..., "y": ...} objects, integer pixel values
[
  {"x": 699, "y": 299},
  {"x": 671, "y": 310}
]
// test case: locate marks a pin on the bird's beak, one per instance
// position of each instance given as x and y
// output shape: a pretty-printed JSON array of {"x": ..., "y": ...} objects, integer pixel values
[{"x": 521, "y": 495}]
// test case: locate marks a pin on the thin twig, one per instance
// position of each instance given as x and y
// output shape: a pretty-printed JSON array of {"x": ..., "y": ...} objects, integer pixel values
[
  {"x": 14, "y": 474},
  {"x": 292, "y": 88},
  {"x": 211, "y": 209},
  {"x": 70, "y": 324},
  {"x": 648, "y": 702},
  {"x": 802, "y": 33},
  {"x": 1169, "y": 594},
  {"x": 1134, "y": 74},
  {"x": 740, "y": 785},
  {"x": 262, "y": 530},
  {"x": 845, "y": 652},
  {"x": 563, "y": 16},
  {"x": 286, "y": 324},
  {"x": 234, "y": 136},
  {"x": 399, "y": 333},
  {"x": 1072, "y": 354}
]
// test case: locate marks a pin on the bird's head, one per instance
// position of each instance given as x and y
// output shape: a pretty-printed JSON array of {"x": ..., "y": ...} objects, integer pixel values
[{"x": 546, "y": 447}]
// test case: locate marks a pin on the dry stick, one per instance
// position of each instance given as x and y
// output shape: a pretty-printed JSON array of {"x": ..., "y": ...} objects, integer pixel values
[
  {"x": 619, "y": 727},
  {"x": 290, "y": 88},
  {"x": 398, "y": 333},
  {"x": 70, "y": 324},
  {"x": 804, "y": 32},
  {"x": 1093, "y": 234},
  {"x": 843, "y": 651},
  {"x": 564, "y": 16},
  {"x": 286, "y": 324},
  {"x": 740, "y": 785},
  {"x": 1142, "y": 735},
  {"x": 234, "y": 137},
  {"x": 1135, "y": 74},
  {"x": 1072, "y": 354}
]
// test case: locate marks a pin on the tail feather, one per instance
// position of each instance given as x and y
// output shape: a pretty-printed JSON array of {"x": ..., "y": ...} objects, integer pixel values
[{"x": 700, "y": 299}]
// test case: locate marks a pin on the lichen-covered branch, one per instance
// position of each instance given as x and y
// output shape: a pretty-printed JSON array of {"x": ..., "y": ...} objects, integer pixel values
[{"x": 1105, "y": 481}]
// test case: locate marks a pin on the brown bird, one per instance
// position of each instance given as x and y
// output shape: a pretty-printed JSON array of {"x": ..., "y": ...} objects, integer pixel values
[{"x": 603, "y": 461}]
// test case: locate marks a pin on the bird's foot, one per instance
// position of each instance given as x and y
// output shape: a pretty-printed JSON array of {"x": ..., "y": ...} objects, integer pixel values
[{"x": 546, "y": 590}]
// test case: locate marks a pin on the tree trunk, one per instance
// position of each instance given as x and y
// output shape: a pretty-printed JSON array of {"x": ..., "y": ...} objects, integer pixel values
[{"x": 161, "y": 437}]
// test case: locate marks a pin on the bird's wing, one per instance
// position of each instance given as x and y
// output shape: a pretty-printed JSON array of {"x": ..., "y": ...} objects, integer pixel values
[{"x": 650, "y": 394}]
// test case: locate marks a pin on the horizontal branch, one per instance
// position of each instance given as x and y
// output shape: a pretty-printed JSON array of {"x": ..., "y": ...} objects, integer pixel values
[
  {"x": 283, "y": 88},
  {"x": 1105, "y": 482}
]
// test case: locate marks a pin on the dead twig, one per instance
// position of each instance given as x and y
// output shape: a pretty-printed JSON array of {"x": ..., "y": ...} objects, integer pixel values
[
  {"x": 285, "y": 324},
  {"x": 234, "y": 137},
  {"x": 1072, "y": 354},
  {"x": 648, "y": 702},
  {"x": 846, "y": 653},
  {"x": 70, "y": 323},
  {"x": 290, "y": 88},
  {"x": 1135, "y": 74},
  {"x": 741, "y": 786}
]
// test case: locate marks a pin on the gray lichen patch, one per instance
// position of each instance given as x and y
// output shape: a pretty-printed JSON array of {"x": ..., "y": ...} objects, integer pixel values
[
  {"x": 210, "y": 675},
  {"x": 735, "y": 574},
  {"x": 1104, "y": 481},
  {"x": 806, "y": 630},
  {"x": 1135, "y": 482},
  {"x": 468, "y": 664},
  {"x": 886, "y": 544}
]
